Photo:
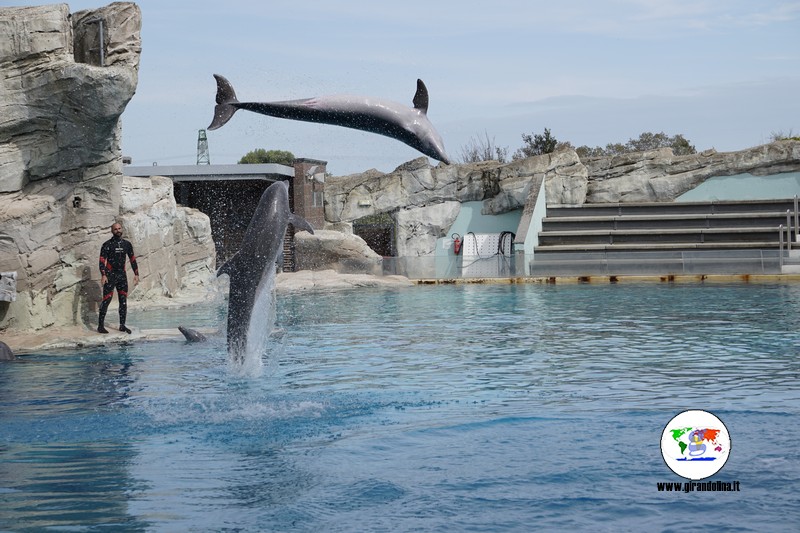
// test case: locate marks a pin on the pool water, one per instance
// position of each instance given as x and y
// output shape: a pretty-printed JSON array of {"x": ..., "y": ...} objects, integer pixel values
[{"x": 444, "y": 408}]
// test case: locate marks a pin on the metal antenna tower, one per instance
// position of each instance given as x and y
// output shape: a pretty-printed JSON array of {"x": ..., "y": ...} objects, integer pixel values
[{"x": 202, "y": 149}]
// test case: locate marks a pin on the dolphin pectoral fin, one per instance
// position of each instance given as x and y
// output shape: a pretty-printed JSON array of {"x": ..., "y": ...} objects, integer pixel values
[
  {"x": 300, "y": 223},
  {"x": 228, "y": 266},
  {"x": 224, "y": 109},
  {"x": 421, "y": 97}
]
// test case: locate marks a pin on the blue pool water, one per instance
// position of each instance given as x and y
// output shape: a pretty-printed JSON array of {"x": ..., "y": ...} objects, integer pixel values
[{"x": 448, "y": 408}]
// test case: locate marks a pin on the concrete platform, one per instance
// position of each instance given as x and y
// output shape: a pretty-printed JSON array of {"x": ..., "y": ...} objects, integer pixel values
[{"x": 81, "y": 337}]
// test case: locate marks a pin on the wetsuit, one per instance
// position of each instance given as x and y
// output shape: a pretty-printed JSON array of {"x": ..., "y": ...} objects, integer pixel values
[{"x": 112, "y": 265}]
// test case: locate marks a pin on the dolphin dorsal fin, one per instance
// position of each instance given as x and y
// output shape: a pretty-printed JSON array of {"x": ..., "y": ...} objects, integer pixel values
[
  {"x": 421, "y": 97},
  {"x": 300, "y": 223}
]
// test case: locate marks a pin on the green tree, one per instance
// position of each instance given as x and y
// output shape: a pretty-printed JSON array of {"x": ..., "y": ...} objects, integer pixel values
[
  {"x": 585, "y": 152},
  {"x": 681, "y": 146},
  {"x": 260, "y": 156},
  {"x": 646, "y": 141},
  {"x": 616, "y": 149},
  {"x": 654, "y": 141},
  {"x": 536, "y": 144}
]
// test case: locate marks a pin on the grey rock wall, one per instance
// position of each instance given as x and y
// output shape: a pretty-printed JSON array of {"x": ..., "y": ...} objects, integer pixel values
[
  {"x": 332, "y": 250},
  {"x": 659, "y": 176},
  {"x": 425, "y": 200},
  {"x": 174, "y": 247},
  {"x": 421, "y": 197},
  {"x": 61, "y": 184},
  {"x": 60, "y": 117},
  {"x": 418, "y": 228}
]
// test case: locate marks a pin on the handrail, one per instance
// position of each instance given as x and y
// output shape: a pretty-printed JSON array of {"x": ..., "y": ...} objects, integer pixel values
[
  {"x": 789, "y": 231},
  {"x": 780, "y": 245}
]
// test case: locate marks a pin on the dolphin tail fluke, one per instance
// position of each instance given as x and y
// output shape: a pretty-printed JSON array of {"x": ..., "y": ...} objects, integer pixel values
[
  {"x": 300, "y": 223},
  {"x": 226, "y": 97}
]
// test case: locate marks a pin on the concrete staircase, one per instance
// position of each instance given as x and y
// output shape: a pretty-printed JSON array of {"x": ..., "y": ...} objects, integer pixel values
[
  {"x": 288, "y": 264},
  {"x": 662, "y": 238}
]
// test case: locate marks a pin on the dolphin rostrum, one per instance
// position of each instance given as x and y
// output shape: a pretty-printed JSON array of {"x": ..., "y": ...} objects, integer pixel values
[
  {"x": 383, "y": 117},
  {"x": 252, "y": 271},
  {"x": 192, "y": 335}
]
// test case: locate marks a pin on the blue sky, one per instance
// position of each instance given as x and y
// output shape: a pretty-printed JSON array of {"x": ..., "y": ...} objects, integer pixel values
[{"x": 724, "y": 73}]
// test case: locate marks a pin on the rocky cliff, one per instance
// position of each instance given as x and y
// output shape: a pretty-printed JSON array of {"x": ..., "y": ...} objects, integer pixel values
[{"x": 64, "y": 88}]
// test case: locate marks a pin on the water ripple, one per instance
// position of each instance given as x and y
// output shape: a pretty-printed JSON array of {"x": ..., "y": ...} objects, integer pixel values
[{"x": 432, "y": 408}]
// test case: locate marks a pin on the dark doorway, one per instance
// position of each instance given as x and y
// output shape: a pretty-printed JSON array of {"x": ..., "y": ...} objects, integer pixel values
[
  {"x": 230, "y": 206},
  {"x": 379, "y": 233}
]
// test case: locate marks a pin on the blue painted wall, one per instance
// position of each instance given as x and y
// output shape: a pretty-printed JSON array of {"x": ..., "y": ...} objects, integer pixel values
[
  {"x": 471, "y": 219},
  {"x": 745, "y": 187}
]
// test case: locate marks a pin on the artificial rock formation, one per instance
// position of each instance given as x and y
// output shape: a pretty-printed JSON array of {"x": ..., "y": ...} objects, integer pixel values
[
  {"x": 174, "y": 247},
  {"x": 422, "y": 198},
  {"x": 61, "y": 184},
  {"x": 425, "y": 200},
  {"x": 419, "y": 227},
  {"x": 60, "y": 117},
  {"x": 332, "y": 250},
  {"x": 660, "y": 176}
]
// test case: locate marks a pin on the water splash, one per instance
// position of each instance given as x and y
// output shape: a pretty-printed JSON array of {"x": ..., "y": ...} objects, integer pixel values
[{"x": 247, "y": 360}]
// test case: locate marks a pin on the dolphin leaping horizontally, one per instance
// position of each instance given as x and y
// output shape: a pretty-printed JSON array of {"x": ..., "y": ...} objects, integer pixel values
[{"x": 383, "y": 117}]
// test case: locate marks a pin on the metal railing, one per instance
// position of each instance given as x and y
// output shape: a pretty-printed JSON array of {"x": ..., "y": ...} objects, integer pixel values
[
  {"x": 788, "y": 231},
  {"x": 780, "y": 245}
]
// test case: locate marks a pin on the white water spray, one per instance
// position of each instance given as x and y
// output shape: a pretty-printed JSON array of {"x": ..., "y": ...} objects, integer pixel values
[{"x": 249, "y": 362}]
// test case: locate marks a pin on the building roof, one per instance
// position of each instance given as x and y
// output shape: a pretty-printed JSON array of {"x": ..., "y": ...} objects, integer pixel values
[{"x": 262, "y": 172}]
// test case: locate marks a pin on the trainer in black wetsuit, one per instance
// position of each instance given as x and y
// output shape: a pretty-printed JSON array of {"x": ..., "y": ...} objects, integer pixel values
[{"x": 113, "y": 275}]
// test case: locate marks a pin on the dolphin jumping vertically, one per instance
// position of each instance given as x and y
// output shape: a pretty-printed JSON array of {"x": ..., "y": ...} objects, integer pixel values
[
  {"x": 252, "y": 271},
  {"x": 383, "y": 117}
]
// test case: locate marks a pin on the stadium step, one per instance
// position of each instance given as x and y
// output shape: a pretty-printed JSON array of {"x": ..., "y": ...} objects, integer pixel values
[{"x": 716, "y": 236}]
